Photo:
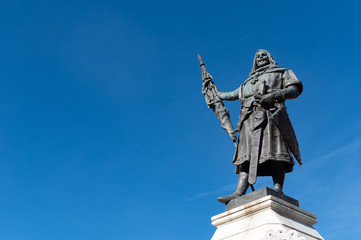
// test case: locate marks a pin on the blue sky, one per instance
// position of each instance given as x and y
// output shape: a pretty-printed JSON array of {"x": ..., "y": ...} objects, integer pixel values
[{"x": 104, "y": 132}]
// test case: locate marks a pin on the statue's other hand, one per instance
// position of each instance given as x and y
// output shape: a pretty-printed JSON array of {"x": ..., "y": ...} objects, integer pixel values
[
  {"x": 271, "y": 98},
  {"x": 268, "y": 99}
]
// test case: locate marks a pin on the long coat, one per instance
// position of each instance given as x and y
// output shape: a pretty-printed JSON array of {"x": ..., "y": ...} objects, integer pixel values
[{"x": 255, "y": 121}]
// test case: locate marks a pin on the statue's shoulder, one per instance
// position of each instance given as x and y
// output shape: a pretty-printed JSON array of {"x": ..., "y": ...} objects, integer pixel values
[{"x": 277, "y": 69}]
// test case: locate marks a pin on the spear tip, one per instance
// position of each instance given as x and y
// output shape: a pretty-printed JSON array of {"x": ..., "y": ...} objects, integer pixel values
[{"x": 199, "y": 59}]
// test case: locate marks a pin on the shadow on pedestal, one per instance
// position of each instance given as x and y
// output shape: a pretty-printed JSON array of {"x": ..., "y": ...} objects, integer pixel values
[{"x": 263, "y": 192}]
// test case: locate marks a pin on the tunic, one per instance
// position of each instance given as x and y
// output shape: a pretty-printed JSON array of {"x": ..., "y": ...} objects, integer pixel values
[{"x": 255, "y": 121}]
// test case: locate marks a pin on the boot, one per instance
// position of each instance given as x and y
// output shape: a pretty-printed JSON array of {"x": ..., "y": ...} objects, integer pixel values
[
  {"x": 278, "y": 176},
  {"x": 241, "y": 189}
]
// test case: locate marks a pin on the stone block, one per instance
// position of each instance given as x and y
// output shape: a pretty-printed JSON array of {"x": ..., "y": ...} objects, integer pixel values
[{"x": 266, "y": 217}]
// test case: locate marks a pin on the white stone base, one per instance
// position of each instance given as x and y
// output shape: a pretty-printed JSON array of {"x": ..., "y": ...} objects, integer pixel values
[{"x": 267, "y": 218}]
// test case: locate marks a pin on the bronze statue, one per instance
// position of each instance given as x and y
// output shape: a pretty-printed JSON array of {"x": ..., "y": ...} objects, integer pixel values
[{"x": 266, "y": 137}]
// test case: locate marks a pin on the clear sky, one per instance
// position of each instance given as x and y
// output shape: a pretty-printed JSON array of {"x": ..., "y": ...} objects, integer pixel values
[{"x": 104, "y": 132}]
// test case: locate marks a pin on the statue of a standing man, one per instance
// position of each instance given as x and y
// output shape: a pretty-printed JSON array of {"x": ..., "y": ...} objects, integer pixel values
[{"x": 266, "y": 139}]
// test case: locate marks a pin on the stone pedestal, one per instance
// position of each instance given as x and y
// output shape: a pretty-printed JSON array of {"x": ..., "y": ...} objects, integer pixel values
[{"x": 266, "y": 215}]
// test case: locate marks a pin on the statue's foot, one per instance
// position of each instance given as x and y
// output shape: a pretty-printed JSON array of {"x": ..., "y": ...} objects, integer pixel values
[{"x": 228, "y": 198}]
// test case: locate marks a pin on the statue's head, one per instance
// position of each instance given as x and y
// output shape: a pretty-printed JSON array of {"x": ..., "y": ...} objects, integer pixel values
[{"x": 262, "y": 58}]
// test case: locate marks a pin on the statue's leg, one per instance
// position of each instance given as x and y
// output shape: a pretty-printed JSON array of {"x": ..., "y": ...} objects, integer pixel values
[
  {"x": 242, "y": 186},
  {"x": 278, "y": 175}
]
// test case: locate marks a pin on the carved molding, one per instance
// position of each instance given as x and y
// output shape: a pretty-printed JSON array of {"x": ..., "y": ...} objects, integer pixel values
[{"x": 282, "y": 234}]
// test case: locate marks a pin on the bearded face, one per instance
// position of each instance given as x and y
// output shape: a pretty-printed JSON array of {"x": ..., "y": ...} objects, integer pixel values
[{"x": 262, "y": 59}]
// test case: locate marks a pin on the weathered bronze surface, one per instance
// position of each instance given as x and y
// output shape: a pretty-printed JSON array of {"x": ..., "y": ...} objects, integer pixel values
[{"x": 266, "y": 139}]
